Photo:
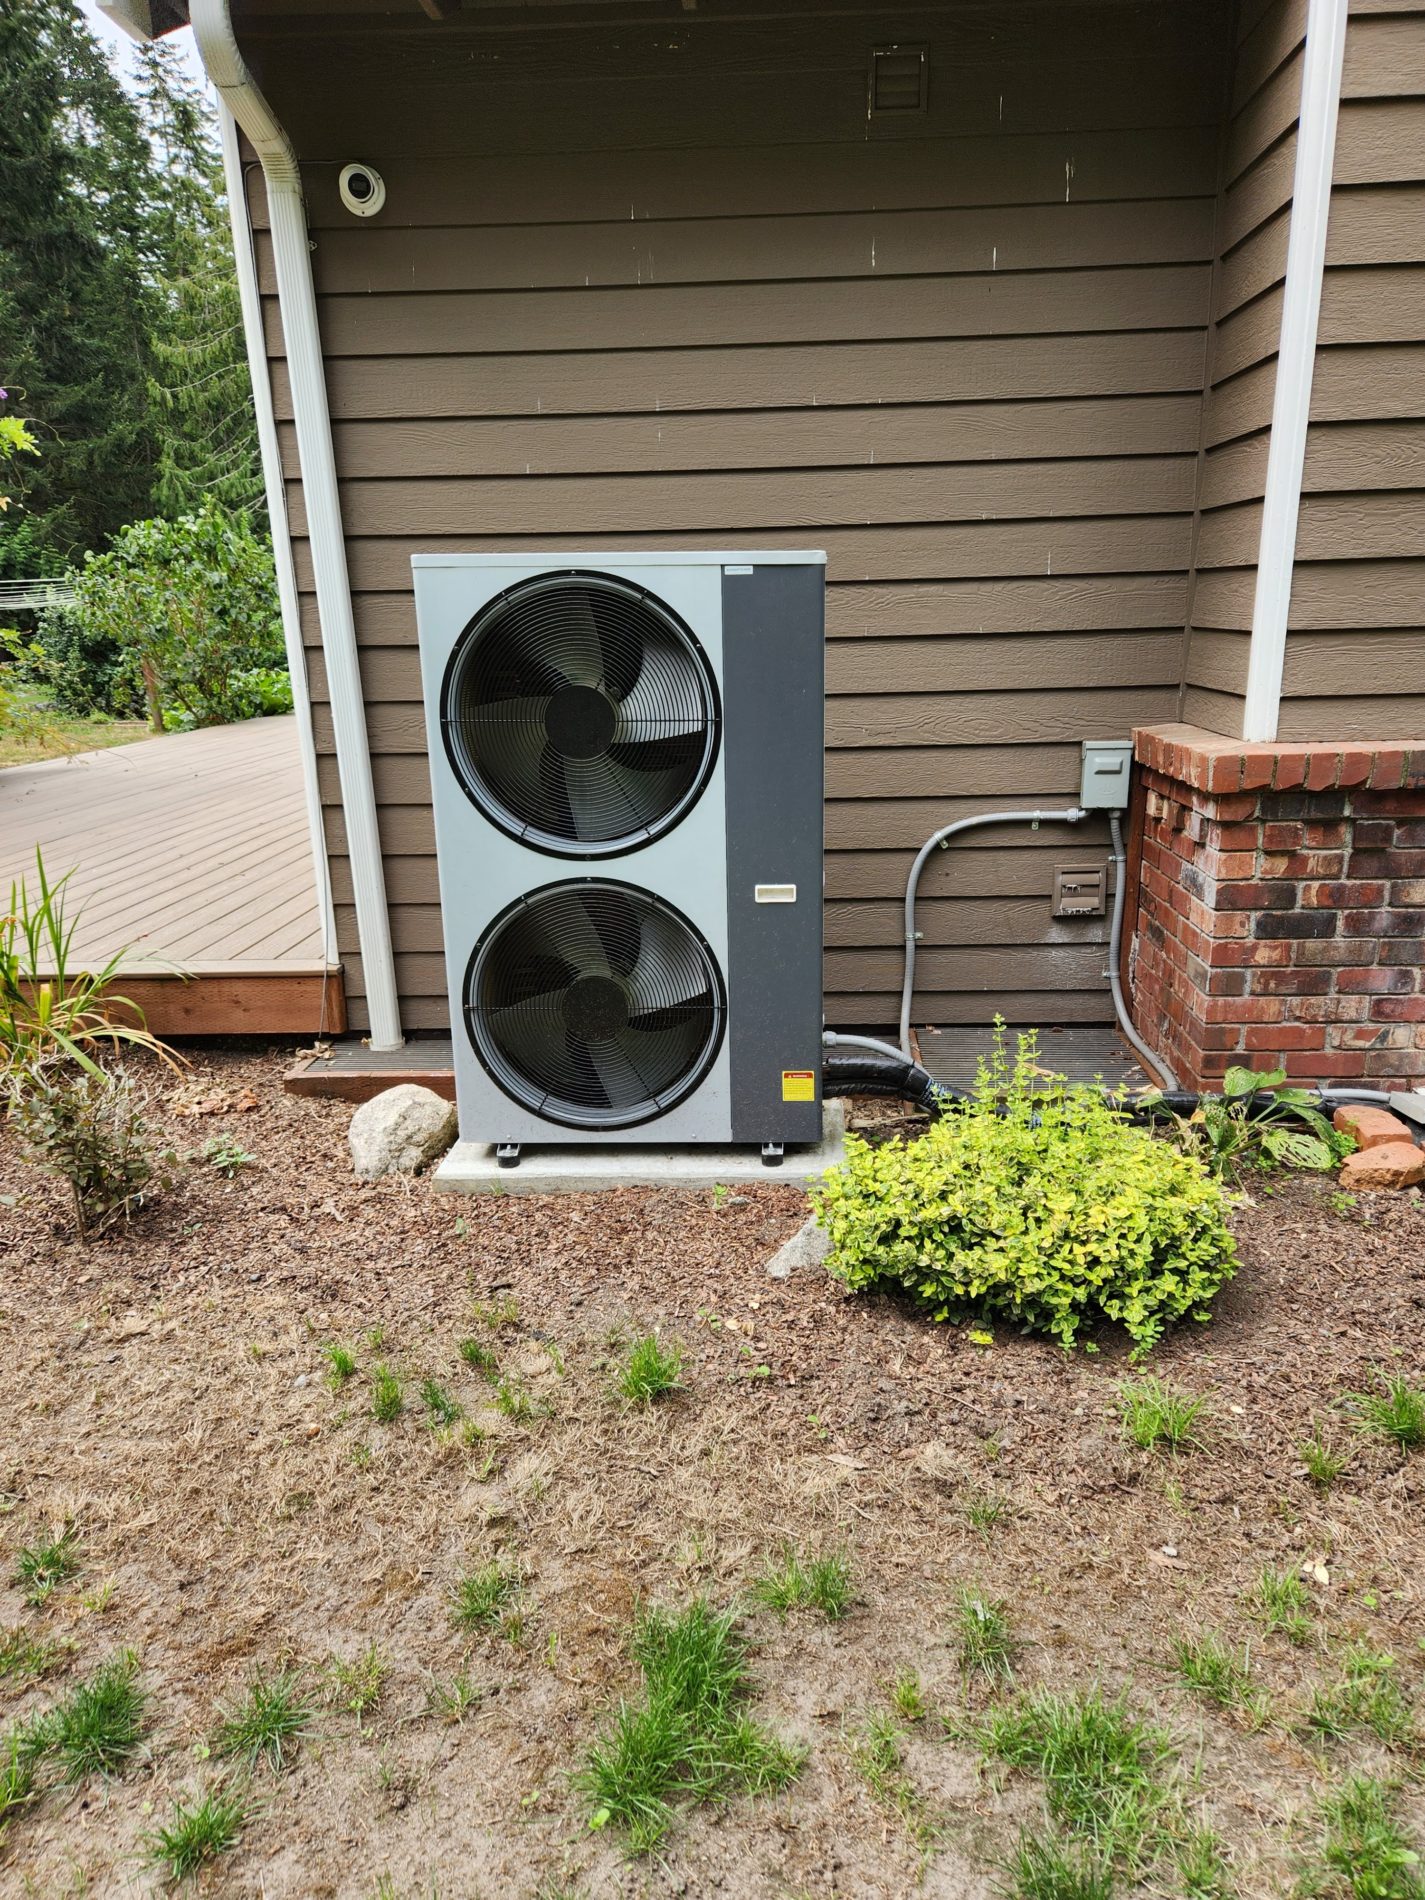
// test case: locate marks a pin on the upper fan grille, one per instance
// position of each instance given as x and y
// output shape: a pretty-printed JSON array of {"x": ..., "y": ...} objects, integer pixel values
[
  {"x": 594, "y": 1004},
  {"x": 580, "y": 714}
]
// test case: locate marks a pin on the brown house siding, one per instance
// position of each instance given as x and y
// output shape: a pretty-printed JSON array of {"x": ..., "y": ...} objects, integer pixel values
[
  {"x": 1357, "y": 601},
  {"x": 1355, "y": 659},
  {"x": 962, "y": 352}
]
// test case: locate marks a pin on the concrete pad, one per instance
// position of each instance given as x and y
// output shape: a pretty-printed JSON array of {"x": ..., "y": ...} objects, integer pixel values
[{"x": 470, "y": 1166}]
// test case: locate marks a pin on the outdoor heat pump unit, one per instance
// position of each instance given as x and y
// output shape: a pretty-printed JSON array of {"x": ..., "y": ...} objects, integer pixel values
[{"x": 626, "y": 769}]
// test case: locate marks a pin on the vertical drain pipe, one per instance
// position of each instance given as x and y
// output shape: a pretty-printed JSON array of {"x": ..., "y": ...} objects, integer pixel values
[
  {"x": 248, "y": 297},
  {"x": 213, "y": 31}
]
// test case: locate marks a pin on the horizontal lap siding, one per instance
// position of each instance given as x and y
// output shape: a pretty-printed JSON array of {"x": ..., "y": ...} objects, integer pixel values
[
  {"x": 1355, "y": 657},
  {"x": 672, "y": 289},
  {"x": 1253, "y": 220}
]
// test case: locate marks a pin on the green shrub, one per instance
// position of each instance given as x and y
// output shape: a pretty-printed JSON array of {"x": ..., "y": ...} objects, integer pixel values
[
  {"x": 80, "y": 667},
  {"x": 89, "y": 1130},
  {"x": 190, "y": 606},
  {"x": 1036, "y": 1202}
]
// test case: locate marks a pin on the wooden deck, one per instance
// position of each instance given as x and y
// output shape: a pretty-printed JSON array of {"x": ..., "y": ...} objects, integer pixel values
[{"x": 192, "y": 853}]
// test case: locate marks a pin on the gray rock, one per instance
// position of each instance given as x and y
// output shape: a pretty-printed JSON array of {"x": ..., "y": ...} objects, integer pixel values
[
  {"x": 808, "y": 1247},
  {"x": 400, "y": 1131}
]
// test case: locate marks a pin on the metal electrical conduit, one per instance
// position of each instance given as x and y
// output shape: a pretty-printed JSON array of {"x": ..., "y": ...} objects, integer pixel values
[{"x": 888, "y": 1069}]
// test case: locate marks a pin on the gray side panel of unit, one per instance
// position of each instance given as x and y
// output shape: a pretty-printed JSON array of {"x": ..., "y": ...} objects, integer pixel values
[{"x": 773, "y": 637}]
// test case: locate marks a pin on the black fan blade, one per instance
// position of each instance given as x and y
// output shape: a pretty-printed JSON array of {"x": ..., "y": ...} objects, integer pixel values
[
  {"x": 622, "y": 630},
  {"x": 675, "y": 1016}
]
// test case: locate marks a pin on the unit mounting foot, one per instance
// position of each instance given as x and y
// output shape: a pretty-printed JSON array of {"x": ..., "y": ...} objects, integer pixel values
[
  {"x": 771, "y": 1154},
  {"x": 507, "y": 1154}
]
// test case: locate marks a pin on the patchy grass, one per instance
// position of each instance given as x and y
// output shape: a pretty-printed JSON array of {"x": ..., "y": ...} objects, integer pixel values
[
  {"x": 1366, "y": 1699},
  {"x": 688, "y": 1738},
  {"x": 984, "y": 1511},
  {"x": 25, "y": 1657},
  {"x": 986, "y": 1645},
  {"x": 1103, "y": 1768},
  {"x": 441, "y": 1409},
  {"x": 452, "y": 1701},
  {"x": 98, "y": 1728},
  {"x": 387, "y": 1399},
  {"x": 17, "y": 1779},
  {"x": 1280, "y": 1600},
  {"x": 203, "y": 1826},
  {"x": 357, "y": 1686},
  {"x": 514, "y": 1401},
  {"x": 65, "y": 733},
  {"x": 1154, "y": 1416},
  {"x": 649, "y": 1371},
  {"x": 1043, "y": 1868},
  {"x": 791, "y": 1582},
  {"x": 341, "y": 1365},
  {"x": 480, "y": 1357},
  {"x": 1211, "y": 1668},
  {"x": 877, "y": 1751},
  {"x": 266, "y": 1724},
  {"x": 1396, "y": 1411},
  {"x": 497, "y": 1316},
  {"x": 483, "y": 1596},
  {"x": 41, "y": 1568},
  {"x": 1324, "y": 1462},
  {"x": 908, "y": 1696},
  {"x": 1365, "y": 1854}
]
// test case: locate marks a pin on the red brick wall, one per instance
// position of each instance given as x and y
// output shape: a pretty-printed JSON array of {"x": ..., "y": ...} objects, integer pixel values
[{"x": 1280, "y": 908}]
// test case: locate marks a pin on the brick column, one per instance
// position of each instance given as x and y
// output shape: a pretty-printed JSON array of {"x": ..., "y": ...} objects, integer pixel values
[{"x": 1280, "y": 907}]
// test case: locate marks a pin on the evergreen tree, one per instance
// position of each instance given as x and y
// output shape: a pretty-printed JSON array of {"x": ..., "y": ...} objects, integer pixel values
[
  {"x": 199, "y": 386},
  {"x": 76, "y": 304}
]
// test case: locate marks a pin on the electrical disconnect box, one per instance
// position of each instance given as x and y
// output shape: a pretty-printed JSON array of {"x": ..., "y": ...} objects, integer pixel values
[
  {"x": 1103, "y": 784},
  {"x": 1080, "y": 893}
]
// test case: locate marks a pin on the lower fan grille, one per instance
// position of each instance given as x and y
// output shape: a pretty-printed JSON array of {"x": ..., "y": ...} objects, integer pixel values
[{"x": 594, "y": 1004}]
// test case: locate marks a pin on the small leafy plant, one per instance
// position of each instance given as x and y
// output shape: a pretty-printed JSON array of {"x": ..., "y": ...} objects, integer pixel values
[
  {"x": 1260, "y": 1122},
  {"x": 357, "y": 1686},
  {"x": 1153, "y": 1415},
  {"x": 1036, "y": 1202},
  {"x": 818, "y": 1583},
  {"x": 650, "y": 1371},
  {"x": 227, "y": 1157},
  {"x": 87, "y": 1128}
]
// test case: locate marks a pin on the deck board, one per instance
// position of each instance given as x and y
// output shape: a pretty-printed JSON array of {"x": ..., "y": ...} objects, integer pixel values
[{"x": 191, "y": 852}]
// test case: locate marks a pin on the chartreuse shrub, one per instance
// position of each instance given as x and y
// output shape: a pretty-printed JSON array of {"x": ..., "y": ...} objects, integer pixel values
[{"x": 1037, "y": 1203}]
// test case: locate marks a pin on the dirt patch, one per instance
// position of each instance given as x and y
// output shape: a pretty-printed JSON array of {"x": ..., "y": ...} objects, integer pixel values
[{"x": 166, "y": 1393}]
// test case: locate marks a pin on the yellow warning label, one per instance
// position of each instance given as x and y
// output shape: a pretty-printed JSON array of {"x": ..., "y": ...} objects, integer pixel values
[{"x": 798, "y": 1085}]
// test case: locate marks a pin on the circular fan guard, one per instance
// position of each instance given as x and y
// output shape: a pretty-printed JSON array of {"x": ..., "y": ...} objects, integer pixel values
[
  {"x": 594, "y": 1004},
  {"x": 580, "y": 714}
]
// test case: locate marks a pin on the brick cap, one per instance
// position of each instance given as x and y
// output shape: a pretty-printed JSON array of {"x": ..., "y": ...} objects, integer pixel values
[{"x": 1210, "y": 762}]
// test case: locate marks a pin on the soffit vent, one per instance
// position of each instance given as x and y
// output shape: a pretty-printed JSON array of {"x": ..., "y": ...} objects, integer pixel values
[{"x": 899, "y": 80}]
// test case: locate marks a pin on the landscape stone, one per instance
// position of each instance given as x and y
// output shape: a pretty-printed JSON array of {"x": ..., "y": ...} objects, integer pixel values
[
  {"x": 1370, "y": 1127},
  {"x": 1397, "y": 1164},
  {"x": 808, "y": 1247},
  {"x": 400, "y": 1131}
]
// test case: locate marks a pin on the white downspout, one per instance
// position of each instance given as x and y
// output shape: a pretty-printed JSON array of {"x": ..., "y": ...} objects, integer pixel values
[
  {"x": 1296, "y": 364},
  {"x": 251, "y": 302},
  {"x": 213, "y": 31}
]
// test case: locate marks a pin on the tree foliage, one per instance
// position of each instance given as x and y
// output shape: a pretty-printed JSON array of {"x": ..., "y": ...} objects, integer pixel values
[
  {"x": 190, "y": 606},
  {"x": 120, "y": 331}
]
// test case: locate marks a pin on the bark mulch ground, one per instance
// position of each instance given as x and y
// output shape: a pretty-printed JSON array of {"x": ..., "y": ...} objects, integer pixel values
[{"x": 165, "y": 1394}]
